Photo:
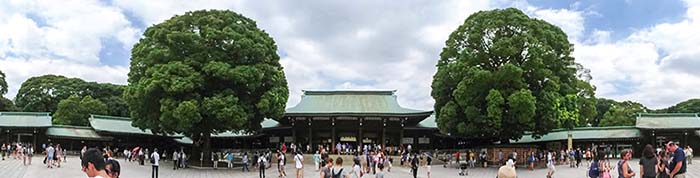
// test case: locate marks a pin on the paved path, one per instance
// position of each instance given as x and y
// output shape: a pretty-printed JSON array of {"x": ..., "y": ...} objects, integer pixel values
[{"x": 14, "y": 169}]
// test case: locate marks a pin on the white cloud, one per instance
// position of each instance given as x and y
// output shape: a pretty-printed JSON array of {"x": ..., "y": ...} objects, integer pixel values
[
  {"x": 656, "y": 66},
  {"x": 340, "y": 45},
  {"x": 18, "y": 70},
  {"x": 570, "y": 21},
  {"x": 60, "y": 37}
]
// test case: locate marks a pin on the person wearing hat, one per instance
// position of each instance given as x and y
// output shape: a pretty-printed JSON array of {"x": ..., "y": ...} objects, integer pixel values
[{"x": 508, "y": 170}]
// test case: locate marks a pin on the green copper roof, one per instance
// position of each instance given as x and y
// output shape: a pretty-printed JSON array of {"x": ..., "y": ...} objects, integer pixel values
[
  {"x": 74, "y": 132},
  {"x": 123, "y": 125},
  {"x": 184, "y": 140},
  {"x": 25, "y": 119},
  {"x": 269, "y": 123},
  {"x": 351, "y": 102},
  {"x": 586, "y": 133},
  {"x": 429, "y": 122},
  {"x": 668, "y": 121},
  {"x": 115, "y": 125}
]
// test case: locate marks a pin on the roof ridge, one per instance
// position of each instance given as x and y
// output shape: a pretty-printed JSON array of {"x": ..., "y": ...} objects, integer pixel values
[
  {"x": 348, "y": 92},
  {"x": 24, "y": 113},
  {"x": 109, "y": 117},
  {"x": 666, "y": 114},
  {"x": 70, "y": 126}
]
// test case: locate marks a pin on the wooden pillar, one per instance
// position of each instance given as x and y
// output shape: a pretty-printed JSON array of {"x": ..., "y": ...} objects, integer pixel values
[
  {"x": 332, "y": 134},
  {"x": 359, "y": 137},
  {"x": 294, "y": 130},
  {"x": 311, "y": 136},
  {"x": 383, "y": 133},
  {"x": 401, "y": 136}
]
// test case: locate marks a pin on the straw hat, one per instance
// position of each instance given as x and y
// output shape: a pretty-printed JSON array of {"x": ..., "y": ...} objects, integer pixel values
[{"x": 506, "y": 172}]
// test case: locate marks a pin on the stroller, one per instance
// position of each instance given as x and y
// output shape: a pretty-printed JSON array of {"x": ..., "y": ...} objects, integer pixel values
[{"x": 463, "y": 169}]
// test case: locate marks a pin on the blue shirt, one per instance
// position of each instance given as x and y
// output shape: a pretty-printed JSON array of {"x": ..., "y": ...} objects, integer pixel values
[{"x": 678, "y": 157}]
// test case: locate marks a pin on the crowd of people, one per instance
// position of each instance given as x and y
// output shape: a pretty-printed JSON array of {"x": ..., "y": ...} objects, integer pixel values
[{"x": 18, "y": 151}]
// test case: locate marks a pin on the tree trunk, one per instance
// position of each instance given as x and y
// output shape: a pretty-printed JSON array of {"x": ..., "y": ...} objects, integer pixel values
[{"x": 206, "y": 147}]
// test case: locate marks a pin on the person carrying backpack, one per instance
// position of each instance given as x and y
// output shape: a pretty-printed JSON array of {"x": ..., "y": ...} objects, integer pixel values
[
  {"x": 337, "y": 171},
  {"x": 261, "y": 164},
  {"x": 594, "y": 170}
]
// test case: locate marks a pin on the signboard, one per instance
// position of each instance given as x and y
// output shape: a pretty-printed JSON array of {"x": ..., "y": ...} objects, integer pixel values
[
  {"x": 348, "y": 139},
  {"x": 321, "y": 118},
  {"x": 424, "y": 140},
  {"x": 407, "y": 140},
  {"x": 274, "y": 139},
  {"x": 367, "y": 140},
  {"x": 346, "y": 118},
  {"x": 288, "y": 139}
]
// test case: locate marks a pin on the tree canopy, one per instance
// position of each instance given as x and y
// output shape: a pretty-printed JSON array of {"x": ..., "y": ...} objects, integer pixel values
[
  {"x": 5, "y": 104},
  {"x": 75, "y": 110},
  {"x": 622, "y": 114},
  {"x": 43, "y": 93},
  {"x": 688, "y": 106},
  {"x": 203, "y": 72},
  {"x": 502, "y": 73}
]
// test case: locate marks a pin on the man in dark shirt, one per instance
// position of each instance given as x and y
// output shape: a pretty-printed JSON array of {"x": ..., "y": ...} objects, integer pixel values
[{"x": 677, "y": 167}]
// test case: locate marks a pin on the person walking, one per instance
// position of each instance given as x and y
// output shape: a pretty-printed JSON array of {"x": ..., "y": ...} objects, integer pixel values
[
  {"x": 594, "y": 169},
  {"x": 281, "y": 160},
  {"x": 326, "y": 169},
  {"x": 688, "y": 154},
  {"x": 577, "y": 156},
  {"x": 261, "y": 165},
  {"x": 414, "y": 165},
  {"x": 30, "y": 153},
  {"x": 338, "y": 171},
  {"x": 245, "y": 162},
  {"x": 356, "y": 171},
  {"x": 649, "y": 163},
  {"x": 550, "y": 164},
  {"x": 175, "y": 163},
  {"x": 317, "y": 161},
  {"x": 50, "y": 152},
  {"x": 677, "y": 165},
  {"x": 155, "y": 158},
  {"x": 299, "y": 164},
  {"x": 624, "y": 170}
]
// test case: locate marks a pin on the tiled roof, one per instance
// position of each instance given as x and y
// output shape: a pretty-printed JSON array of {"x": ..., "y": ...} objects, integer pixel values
[
  {"x": 668, "y": 121},
  {"x": 25, "y": 119},
  {"x": 586, "y": 133},
  {"x": 74, "y": 132},
  {"x": 114, "y": 124},
  {"x": 351, "y": 102}
]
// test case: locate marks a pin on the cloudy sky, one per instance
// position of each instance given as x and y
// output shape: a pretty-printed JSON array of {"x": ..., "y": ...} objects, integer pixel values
[{"x": 644, "y": 50}]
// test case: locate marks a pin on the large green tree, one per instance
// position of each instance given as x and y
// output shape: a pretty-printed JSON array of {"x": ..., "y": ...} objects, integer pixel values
[
  {"x": 76, "y": 111},
  {"x": 5, "y": 104},
  {"x": 43, "y": 93},
  {"x": 622, "y": 114},
  {"x": 204, "y": 72},
  {"x": 688, "y": 106},
  {"x": 502, "y": 73}
]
